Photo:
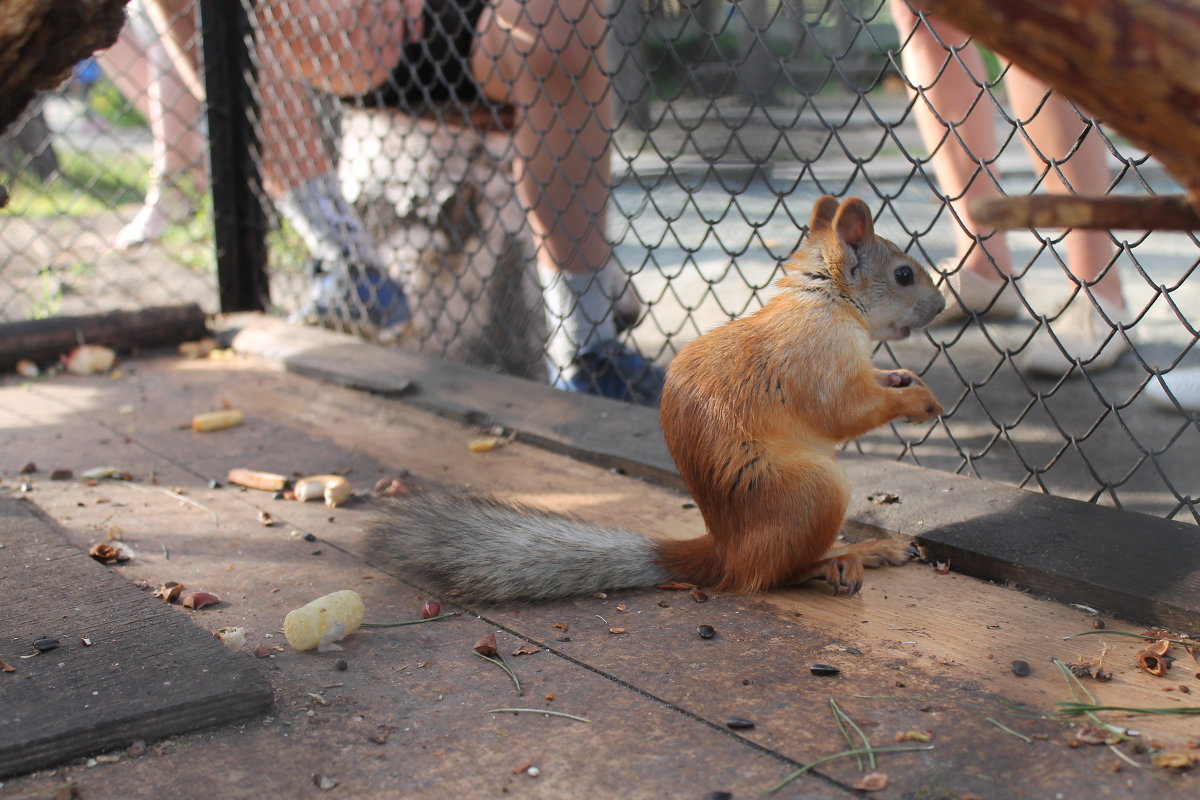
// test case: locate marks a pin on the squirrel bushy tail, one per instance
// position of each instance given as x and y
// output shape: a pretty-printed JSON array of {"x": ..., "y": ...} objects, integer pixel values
[{"x": 490, "y": 551}]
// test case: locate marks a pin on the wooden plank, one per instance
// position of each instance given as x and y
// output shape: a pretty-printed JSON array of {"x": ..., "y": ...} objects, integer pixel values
[
  {"x": 581, "y": 426},
  {"x": 147, "y": 673},
  {"x": 1055, "y": 546},
  {"x": 44, "y": 340}
]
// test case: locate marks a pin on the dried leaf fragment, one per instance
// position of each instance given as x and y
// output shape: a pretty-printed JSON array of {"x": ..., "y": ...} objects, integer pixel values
[
  {"x": 198, "y": 600},
  {"x": 526, "y": 650},
  {"x": 6, "y": 667},
  {"x": 486, "y": 646},
  {"x": 872, "y": 782}
]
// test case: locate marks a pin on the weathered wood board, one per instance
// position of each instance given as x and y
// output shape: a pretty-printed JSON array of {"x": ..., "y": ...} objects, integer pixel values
[
  {"x": 920, "y": 654},
  {"x": 126, "y": 669}
]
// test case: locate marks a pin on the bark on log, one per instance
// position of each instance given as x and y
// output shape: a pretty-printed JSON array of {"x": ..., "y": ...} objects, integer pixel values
[
  {"x": 44, "y": 340},
  {"x": 1131, "y": 63},
  {"x": 1114, "y": 212},
  {"x": 40, "y": 40}
]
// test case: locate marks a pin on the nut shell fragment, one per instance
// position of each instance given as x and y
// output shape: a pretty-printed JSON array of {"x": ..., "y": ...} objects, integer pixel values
[
  {"x": 1153, "y": 663},
  {"x": 198, "y": 600},
  {"x": 486, "y": 646}
]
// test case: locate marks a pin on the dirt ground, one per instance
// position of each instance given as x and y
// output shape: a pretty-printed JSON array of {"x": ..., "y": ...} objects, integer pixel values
[{"x": 923, "y": 659}]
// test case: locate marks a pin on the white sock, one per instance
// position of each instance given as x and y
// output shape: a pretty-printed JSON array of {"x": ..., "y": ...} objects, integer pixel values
[
  {"x": 327, "y": 223},
  {"x": 578, "y": 315}
]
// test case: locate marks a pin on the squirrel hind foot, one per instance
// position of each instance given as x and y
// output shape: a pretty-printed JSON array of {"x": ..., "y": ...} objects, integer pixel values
[{"x": 842, "y": 567}]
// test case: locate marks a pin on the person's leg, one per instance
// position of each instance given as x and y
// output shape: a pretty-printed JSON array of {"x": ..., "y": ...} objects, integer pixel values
[
  {"x": 1072, "y": 156},
  {"x": 956, "y": 119},
  {"x": 547, "y": 60},
  {"x": 299, "y": 174},
  {"x": 139, "y": 65},
  {"x": 955, "y": 115}
]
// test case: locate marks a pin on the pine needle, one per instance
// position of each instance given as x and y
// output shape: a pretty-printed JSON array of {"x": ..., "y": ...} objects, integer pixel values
[
  {"x": 1147, "y": 637},
  {"x": 1073, "y": 709},
  {"x": 538, "y": 711},
  {"x": 1007, "y": 729},
  {"x": 843, "y": 754},
  {"x": 408, "y": 621},
  {"x": 1088, "y": 708},
  {"x": 839, "y": 716},
  {"x": 500, "y": 663}
]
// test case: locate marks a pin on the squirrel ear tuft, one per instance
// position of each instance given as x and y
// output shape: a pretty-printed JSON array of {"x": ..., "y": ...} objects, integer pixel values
[
  {"x": 853, "y": 222},
  {"x": 823, "y": 212}
]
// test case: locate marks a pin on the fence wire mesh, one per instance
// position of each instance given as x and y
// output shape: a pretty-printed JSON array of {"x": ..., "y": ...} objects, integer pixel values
[{"x": 510, "y": 183}]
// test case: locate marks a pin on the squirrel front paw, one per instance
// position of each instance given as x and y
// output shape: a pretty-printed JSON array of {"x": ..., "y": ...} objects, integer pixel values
[{"x": 923, "y": 407}]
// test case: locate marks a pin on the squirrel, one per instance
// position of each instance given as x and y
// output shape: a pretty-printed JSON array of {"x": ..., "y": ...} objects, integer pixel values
[{"x": 752, "y": 413}]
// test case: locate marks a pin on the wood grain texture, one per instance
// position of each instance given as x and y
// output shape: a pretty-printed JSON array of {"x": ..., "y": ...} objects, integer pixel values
[
  {"x": 147, "y": 673},
  {"x": 1160, "y": 213},
  {"x": 1129, "y": 62}
]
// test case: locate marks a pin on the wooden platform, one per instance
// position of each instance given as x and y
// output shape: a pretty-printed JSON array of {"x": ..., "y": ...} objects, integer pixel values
[
  {"x": 123, "y": 669},
  {"x": 922, "y": 655}
]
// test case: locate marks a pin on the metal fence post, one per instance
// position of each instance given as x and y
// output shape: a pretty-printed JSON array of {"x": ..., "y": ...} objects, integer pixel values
[{"x": 239, "y": 220}]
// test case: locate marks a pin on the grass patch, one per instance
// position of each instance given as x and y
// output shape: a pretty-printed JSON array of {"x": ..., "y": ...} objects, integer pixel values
[{"x": 84, "y": 187}]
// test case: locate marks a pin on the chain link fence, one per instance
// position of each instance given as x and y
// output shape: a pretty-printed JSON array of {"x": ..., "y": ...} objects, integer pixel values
[{"x": 466, "y": 184}]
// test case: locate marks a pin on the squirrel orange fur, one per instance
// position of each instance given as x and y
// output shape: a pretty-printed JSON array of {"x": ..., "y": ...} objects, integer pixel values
[{"x": 752, "y": 413}]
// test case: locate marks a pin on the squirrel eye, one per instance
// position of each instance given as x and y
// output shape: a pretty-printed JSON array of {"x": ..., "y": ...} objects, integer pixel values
[{"x": 904, "y": 276}]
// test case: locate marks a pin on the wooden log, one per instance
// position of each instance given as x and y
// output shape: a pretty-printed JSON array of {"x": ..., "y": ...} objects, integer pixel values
[
  {"x": 1129, "y": 62},
  {"x": 44, "y": 340},
  {"x": 1115, "y": 212}
]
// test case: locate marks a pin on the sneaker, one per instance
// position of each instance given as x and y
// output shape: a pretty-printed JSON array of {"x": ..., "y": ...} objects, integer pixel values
[
  {"x": 162, "y": 208},
  {"x": 613, "y": 370},
  {"x": 1181, "y": 385},
  {"x": 967, "y": 293},
  {"x": 1084, "y": 335},
  {"x": 363, "y": 297}
]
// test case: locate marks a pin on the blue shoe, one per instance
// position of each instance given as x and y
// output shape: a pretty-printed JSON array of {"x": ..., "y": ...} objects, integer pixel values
[
  {"x": 357, "y": 295},
  {"x": 613, "y": 370}
]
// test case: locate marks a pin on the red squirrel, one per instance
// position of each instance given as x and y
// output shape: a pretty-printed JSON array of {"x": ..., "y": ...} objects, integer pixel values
[{"x": 752, "y": 412}]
